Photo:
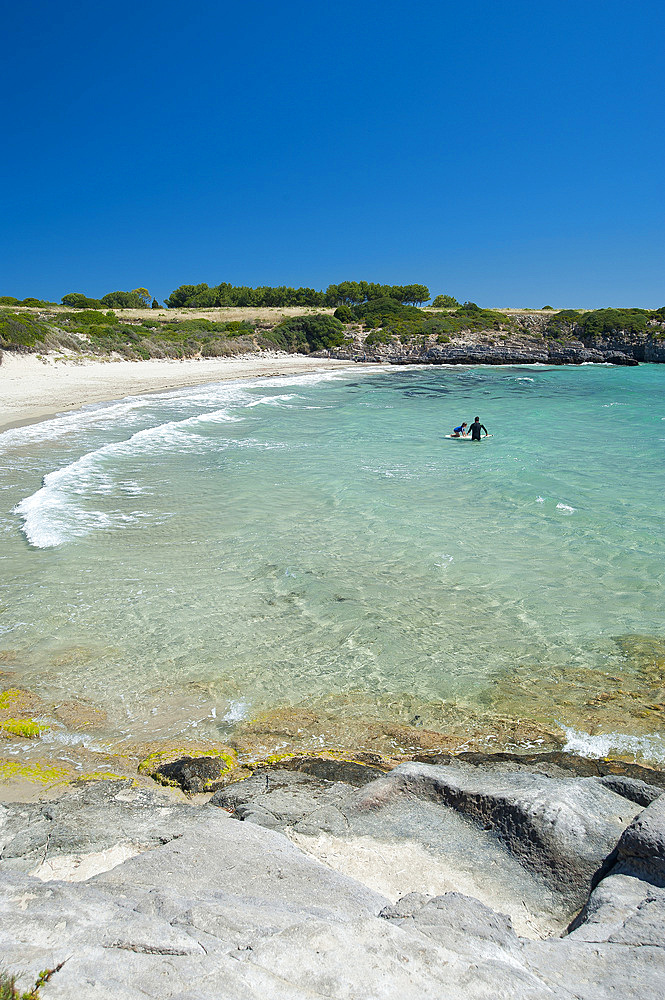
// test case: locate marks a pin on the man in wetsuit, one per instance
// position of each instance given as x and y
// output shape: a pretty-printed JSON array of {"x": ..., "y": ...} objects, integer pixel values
[{"x": 475, "y": 428}]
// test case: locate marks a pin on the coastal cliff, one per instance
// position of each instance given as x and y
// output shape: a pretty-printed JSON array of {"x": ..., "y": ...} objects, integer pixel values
[{"x": 526, "y": 339}]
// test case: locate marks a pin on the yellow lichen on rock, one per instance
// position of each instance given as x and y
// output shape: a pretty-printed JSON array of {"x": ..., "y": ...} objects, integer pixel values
[
  {"x": 104, "y": 776},
  {"x": 17, "y": 702},
  {"x": 10, "y": 697},
  {"x": 26, "y": 728},
  {"x": 36, "y": 772}
]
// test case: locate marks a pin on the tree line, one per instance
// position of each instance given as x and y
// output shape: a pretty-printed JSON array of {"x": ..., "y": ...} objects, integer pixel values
[
  {"x": 138, "y": 298},
  {"x": 345, "y": 293}
]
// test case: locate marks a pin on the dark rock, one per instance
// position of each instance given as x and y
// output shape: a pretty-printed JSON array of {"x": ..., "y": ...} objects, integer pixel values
[
  {"x": 619, "y": 358},
  {"x": 352, "y": 772},
  {"x": 631, "y": 788},
  {"x": 641, "y": 849},
  {"x": 278, "y": 798},
  {"x": 193, "y": 774}
]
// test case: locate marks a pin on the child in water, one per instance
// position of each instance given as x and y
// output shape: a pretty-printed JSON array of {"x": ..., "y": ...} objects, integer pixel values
[{"x": 460, "y": 431}]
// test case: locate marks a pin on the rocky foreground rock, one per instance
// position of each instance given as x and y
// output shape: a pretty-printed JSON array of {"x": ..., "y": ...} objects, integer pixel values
[{"x": 446, "y": 882}]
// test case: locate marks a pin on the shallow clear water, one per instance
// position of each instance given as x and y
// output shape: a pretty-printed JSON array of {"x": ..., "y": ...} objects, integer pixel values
[{"x": 193, "y": 559}]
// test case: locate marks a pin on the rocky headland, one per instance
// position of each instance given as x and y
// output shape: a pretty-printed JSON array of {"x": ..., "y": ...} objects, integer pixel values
[
  {"x": 525, "y": 339},
  {"x": 454, "y": 877}
]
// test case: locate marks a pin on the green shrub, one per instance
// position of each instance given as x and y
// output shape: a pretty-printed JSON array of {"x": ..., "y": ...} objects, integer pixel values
[
  {"x": 379, "y": 337},
  {"x": 88, "y": 317},
  {"x": 444, "y": 302},
  {"x": 344, "y": 314},
  {"x": 193, "y": 326},
  {"x": 378, "y": 312},
  {"x": 21, "y": 332},
  {"x": 124, "y": 300},
  {"x": 239, "y": 328},
  {"x": 310, "y": 333},
  {"x": 475, "y": 318},
  {"x": 77, "y": 300},
  {"x": 8, "y": 300},
  {"x": 609, "y": 322},
  {"x": 599, "y": 323}
]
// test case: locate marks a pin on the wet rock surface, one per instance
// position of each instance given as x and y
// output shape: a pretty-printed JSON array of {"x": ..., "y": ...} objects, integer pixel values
[{"x": 228, "y": 899}]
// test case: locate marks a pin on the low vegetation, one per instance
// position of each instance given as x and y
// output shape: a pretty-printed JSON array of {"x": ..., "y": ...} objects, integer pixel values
[
  {"x": 100, "y": 332},
  {"x": 103, "y": 332},
  {"x": 109, "y": 329},
  {"x": 10, "y": 991},
  {"x": 603, "y": 324},
  {"x": 304, "y": 334},
  {"x": 21, "y": 331},
  {"x": 394, "y": 319}
]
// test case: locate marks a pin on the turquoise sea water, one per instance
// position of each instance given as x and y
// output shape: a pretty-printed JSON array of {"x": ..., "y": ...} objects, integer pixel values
[{"x": 190, "y": 560}]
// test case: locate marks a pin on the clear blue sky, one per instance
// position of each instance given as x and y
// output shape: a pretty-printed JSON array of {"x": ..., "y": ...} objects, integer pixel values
[{"x": 511, "y": 153}]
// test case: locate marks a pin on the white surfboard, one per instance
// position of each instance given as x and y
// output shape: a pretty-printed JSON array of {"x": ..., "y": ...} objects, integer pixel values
[{"x": 455, "y": 437}]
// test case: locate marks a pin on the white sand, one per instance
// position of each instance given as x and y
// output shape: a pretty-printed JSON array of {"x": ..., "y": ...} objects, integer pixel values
[{"x": 33, "y": 388}]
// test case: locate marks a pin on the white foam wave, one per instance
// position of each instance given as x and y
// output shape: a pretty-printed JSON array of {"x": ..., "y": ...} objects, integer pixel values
[
  {"x": 272, "y": 400},
  {"x": 236, "y": 711},
  {"x": 649, "y": 748},
  {"x": 566, "y": 508},
  {"x": 540, "y": 499},
  {"x": 51, "y": 516},
  {"x": 132, "y": 409},
  {"x": 63, "y": 738},
  {"x": 128, "y": 410}
]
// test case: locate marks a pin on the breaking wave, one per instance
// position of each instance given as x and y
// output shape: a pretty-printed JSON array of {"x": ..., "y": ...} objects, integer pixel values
[
  {"x": 55, "y": 513},
  {"x": 649, "y": 748}
]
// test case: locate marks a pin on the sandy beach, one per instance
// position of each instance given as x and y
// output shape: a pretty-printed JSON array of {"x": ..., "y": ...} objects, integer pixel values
[{"x": 35, "y": 387}]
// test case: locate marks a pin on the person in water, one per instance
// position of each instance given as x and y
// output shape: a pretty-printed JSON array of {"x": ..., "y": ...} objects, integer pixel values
[
  {"x": 475, "y": 428},
  {"x": 460, "y": 431}
]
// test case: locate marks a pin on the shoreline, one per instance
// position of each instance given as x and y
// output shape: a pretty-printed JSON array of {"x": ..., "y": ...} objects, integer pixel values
[{"x": 37, "y": 387}]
